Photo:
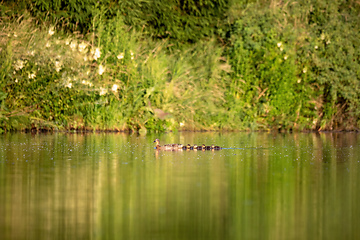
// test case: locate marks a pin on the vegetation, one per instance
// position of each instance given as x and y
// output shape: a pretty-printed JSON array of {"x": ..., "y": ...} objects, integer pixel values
[{"x": 180, "y": 65}]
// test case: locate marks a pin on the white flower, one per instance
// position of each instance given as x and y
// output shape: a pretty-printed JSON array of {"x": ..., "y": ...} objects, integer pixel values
[
  {"x": 83, "y": 47},
  {"x": 114, "y": 88},
  {"x": 132, "y": 58},
  {"x": 328, "y": 41},
  {"x": 86, "y": 83},
  {"x": 131, "y": 53},
  {"x": 51, "y": 31},
  {"x": 96, "y": 53},
  {"x": 103, "y": 91},
  {"x": 19, "y": 64},
  {"x": 182, "y": 124},
  {"x": 67, "y": 41},
  {"x": 16, "y": 80},
  {"x": 279, "y": 44},
  {"x": 316, "y": 47},
  {"x": 285, "y": 57},
  {"x": 322, "y": 36},
  {"x": 57, "y": 66},
  {"x": 69, "y": 85},
  {"x": 15, "y": 35},
  {"x": 47, "y": 44},
  {"x": 31, "y": 75},
  {"x": 281, "y": 49},
  {"x": 305, "y": 70},
  {"x": 120, "y": 56},
  {"x": 299, "y": 80},
  {"x": 101, "y": 69},
  {"x": 73, "y": 45}
]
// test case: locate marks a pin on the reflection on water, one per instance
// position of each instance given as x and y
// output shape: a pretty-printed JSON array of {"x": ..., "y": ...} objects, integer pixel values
[{"x": 116, "y": 186}]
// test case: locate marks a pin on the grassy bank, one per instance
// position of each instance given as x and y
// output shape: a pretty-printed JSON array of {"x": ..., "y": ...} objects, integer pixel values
[{"x": 272, "y": 65}]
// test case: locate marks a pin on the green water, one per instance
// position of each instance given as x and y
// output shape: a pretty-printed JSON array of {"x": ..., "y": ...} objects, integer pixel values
[{"x": 116, "y": 186}]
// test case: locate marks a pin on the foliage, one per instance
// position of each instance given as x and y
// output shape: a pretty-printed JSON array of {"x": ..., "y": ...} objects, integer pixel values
[
  {"x": 182, "y": 21},
  {"x": 296, "y": 70},
  {"x": 109, "y": 79},
  {"x": 179, "y": 65}
]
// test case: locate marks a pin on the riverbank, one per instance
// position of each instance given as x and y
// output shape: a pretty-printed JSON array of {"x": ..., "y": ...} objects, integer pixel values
[{"x": 285, "y": 67}]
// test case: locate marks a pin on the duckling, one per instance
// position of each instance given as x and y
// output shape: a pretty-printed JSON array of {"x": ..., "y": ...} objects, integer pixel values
[
  {"x": 208, "y": 147},
  {"x": 215, "y": 147},
  {"x": 195, "y": 147},
  {"x": 186, "y": 147},
  {"x": 203, "y": 147}
]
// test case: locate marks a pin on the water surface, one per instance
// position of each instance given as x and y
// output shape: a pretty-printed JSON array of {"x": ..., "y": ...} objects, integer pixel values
[{"x": 116, "y": 186}]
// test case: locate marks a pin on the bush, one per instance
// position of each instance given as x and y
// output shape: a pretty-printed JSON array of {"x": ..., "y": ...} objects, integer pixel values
[{"x": 289, "y": 73}]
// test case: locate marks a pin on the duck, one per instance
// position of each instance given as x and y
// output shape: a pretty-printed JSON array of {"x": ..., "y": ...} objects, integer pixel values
[
  {"x": 208, "y": 147},
  {"x": 215, "y": 147},
  {"x": 203, "y": 147},
  {"x": 195, "y": 147},
  {"x": 186, "y": 147},
  {"x": 180, "y": 146},
  {"x": 157, "y": 141},
  {"x": 167, "y": 146}
]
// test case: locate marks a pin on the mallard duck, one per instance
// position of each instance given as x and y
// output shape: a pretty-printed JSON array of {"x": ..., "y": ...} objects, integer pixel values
[
  {"x": 215, "y": 147},
  {"x": 157, "y": 141},
  {"x": 167, "y": 146}
]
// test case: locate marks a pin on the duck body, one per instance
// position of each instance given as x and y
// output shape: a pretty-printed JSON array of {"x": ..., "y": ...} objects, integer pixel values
[{"x": 172, "y": 146}]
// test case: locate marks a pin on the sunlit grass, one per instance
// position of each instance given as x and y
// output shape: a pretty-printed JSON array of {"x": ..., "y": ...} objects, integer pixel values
[{"x": 111, "y": 79}]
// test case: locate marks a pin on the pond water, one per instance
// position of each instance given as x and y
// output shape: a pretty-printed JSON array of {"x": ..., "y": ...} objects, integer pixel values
[{"x": 117, "y": 186}]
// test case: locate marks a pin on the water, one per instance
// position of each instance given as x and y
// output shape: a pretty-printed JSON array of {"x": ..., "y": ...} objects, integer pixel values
[{"x": 116, "y": 186}]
